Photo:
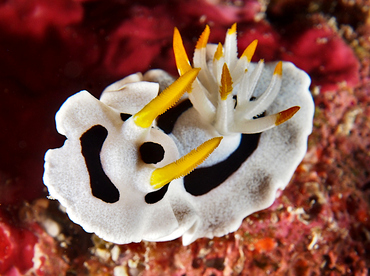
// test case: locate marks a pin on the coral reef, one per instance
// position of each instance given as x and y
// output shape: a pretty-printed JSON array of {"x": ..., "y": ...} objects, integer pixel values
[{"x": 319, "y": 225}]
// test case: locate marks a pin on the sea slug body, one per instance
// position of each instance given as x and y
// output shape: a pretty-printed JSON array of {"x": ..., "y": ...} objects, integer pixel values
[{"x": 138, "y": 165}]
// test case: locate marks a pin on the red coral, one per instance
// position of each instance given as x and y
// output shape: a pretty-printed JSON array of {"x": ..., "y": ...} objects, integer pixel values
[
  {"x": 269, "y": 40},
  {"x": 34, "y": 17},
  {"x": 138, "y": 40},
  {"x": 16, "y": 248},
  {"x": 324, "y": 56},
  {"x": 218, "y": 12},
  {"x": 264, "y": 244}
]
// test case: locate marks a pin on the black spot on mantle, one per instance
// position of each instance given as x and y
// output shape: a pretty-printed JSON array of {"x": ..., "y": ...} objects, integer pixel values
[
  {"x": 203, "y": 180},
  {"x": 125, "y": 116},
  {"x": 167, "y": 120},
  {"x": 156, "y": 196},
  {"x": 101, "y": 186},
  {"x": 151, "y": 153}
]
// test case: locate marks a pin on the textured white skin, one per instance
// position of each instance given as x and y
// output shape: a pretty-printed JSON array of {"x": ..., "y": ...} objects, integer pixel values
[{"x": 253, "y": 187}]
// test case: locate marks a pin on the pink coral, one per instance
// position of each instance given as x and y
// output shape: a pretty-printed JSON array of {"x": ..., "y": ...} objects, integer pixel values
[
  {"x": 324, "y": 56},
  {"x": 35, "y": 17},
  {"x": 16, "y": 248},
  {"x": 217, "y": 12},
  {"x": 146, "y": 31}
]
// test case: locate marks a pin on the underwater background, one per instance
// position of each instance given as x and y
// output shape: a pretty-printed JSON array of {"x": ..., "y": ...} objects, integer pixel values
[{"x": 49, "y": 50}]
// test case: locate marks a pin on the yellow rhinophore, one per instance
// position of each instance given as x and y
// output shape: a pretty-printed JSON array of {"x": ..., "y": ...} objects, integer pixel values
[
  {"x": 165, "y": 100},
  {"x": 181, "y": 58},
  {"x": 184, "y": 165}
]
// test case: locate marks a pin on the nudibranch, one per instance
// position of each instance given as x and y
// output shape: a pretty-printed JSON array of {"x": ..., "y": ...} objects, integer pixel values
[{"x": 148, "y": 161}]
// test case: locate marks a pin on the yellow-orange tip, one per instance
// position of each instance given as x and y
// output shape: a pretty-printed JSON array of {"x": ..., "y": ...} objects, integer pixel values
[
  {"x": 219, "y": 52},
  {"x": 279, "y": 69},
  {"x": 285, "y": 115},
  {"x": 232, "y": 30},
  {"x": 181, "y": 58},
  {"x": 203, "y": 39},
  {"x": 249, "y": 51},
  {"x": 226, "y": 83}
]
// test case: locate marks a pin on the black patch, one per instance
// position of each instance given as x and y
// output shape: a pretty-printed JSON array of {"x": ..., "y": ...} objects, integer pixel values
[
  {"x": 151, "y": 153},
  {"x": 91, "y": 143},
  {"x": 235, "y": 97},
  {"x": 260, "y": 115},
  {"x": 203, "y": 180},
  {"x": 156, "y": 196},
  {"x": 253, "y": 98},
  {"x": 125, "y": 116},
  {"x": 167, "y": 120}
]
